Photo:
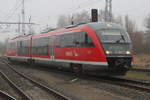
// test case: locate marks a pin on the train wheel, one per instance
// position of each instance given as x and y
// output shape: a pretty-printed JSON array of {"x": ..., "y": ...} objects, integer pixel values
[
  {"x": 30, "y": 61},
  {"x": 77, "y": 69}
]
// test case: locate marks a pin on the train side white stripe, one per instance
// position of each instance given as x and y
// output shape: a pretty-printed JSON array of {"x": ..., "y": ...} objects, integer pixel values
[
  {"x": 18, "y": 57},
  {"x": 62, "y": 60},
  {"x": 82, "y": 62}
]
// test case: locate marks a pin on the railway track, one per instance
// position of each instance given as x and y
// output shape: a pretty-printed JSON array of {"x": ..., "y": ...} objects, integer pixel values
[
  {"x": 141, "y": 70},
  {"x": 134, "y": 84},
  {"x": 20, "y": 92},
  {"x": 42, "y": 88},
  {"x": 128, "y": 83},
  {"x": 141, "y": 86},
  {"x": 5, "y": 96}
]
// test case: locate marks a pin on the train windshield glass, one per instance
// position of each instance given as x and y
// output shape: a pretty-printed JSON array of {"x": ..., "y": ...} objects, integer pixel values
[{"x": 113, "y": 36}]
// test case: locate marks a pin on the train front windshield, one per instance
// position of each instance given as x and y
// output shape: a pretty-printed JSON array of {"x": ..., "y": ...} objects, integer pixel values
[
  {"x": 115, "y": 41},
  {"x": 113, "y": 36}
]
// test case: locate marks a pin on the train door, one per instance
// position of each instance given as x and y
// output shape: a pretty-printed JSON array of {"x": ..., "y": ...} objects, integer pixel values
[{"x": 52, "y": 47}]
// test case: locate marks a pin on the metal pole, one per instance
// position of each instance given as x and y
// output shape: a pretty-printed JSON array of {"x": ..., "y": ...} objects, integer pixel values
[
  {"x": 19, "y": 25},
  {"x": 30, "y": 25},
  {"x": 106, "y": 11},
  {"x": 23, "y": 18},
  {"x": 72, "y": 20},
  {"x": 110, "y": 10}
]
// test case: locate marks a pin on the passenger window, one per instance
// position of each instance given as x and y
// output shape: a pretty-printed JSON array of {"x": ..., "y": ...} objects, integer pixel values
[
  {"x": 66, "y": 40},
  {"x": 77, "y": 39},
  {"x": 11, "y": 46},
  {"x": 57, "y": 39},
  {"x": 40, "y": 46},
  {"x": 23, "y": 48}
]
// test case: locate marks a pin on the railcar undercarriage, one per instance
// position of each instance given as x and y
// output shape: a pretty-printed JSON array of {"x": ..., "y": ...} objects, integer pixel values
[{"x": 119, "y": 64}]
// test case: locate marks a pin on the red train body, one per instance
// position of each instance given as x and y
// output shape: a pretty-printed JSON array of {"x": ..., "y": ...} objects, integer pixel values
[{"x": 103, "y": 47}]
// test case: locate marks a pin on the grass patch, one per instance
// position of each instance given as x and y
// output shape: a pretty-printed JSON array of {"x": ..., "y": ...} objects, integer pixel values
[
  {"x": 137, "y": 75},
  {"x": 142, "y": 61}
]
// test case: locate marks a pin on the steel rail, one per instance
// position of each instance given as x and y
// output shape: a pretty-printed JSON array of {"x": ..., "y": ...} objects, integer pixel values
[
  {"x": 134, "y": 84},
  {"x": 50, "y": 90},
  {"x": 138, "y": 82},
  {"x": 131, "y": 84},
  {"x": 6, "y": 95},
  {"x": 21, "y": 92},
  {"x": 141, "y": 70}
]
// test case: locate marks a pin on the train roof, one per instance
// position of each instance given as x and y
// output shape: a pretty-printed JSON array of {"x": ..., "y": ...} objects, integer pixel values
[
  {"x": 103, "y": 25},
  {"x": 94, "y": 25},
  {"x": 23, "y": 37}
]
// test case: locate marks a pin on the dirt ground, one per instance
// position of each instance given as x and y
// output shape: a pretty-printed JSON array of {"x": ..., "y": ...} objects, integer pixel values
[
  {"x": 79, "y": 88},
  {"x": 141, "y": 61}
]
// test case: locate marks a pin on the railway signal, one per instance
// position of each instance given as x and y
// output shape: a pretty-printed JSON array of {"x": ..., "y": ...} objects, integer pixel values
[{"x": 94, "y": 15}]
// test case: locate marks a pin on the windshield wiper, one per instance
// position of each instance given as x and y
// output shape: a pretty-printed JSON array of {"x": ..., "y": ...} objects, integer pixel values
[{"x": 122, "y": 37}]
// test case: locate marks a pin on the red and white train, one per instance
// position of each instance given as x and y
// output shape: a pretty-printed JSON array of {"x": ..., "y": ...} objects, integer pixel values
[{"x": 104, "y": 47}]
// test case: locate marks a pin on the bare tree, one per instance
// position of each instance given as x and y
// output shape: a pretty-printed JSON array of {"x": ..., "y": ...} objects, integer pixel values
[
  {"x": 101, "y": 15},
  {"x": 137, "y": 42},
  {"x": 2, "y": 48},
  {"x": 76, "y": 18},
  {"x": 83, "y": 17},
  {"x": 147, "y": 34},
  {"x": 118, "y": 20},
  {"x": 148, "y": 24},
  {"x": 62, "y": 21},
  {"x": 130, "y": 25}
]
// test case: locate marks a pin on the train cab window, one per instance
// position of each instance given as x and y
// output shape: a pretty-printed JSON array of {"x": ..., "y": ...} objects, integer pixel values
[
  {"x": 81, "y": 39},
  {"x": 113, "y": 36},
  {"x": 11, "y": 46},
  {"x": 8, "y": 46},
  {"x": 40, "y": 46}
]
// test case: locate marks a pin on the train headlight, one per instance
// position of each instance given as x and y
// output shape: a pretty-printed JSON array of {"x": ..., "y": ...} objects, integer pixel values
[
  {"x": 107, "y": 52},
  {"x": 128, "y": 52}
]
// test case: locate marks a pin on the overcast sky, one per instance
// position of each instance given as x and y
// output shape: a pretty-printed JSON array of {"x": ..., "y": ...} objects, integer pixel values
[{"x": 45, "y": 12}]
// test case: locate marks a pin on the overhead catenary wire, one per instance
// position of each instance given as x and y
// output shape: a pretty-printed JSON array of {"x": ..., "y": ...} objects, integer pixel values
[
  {"x": 72, "y": 10},
  {"x": 10, "y": 10},
  {"x": 81, "y": 6},
  {"x": 13, "y": 11},
  {"x": 2, "y": 12}
]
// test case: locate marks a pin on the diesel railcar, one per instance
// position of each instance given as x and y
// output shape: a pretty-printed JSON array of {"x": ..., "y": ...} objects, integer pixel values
[{"x": 103, "y": 47}]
